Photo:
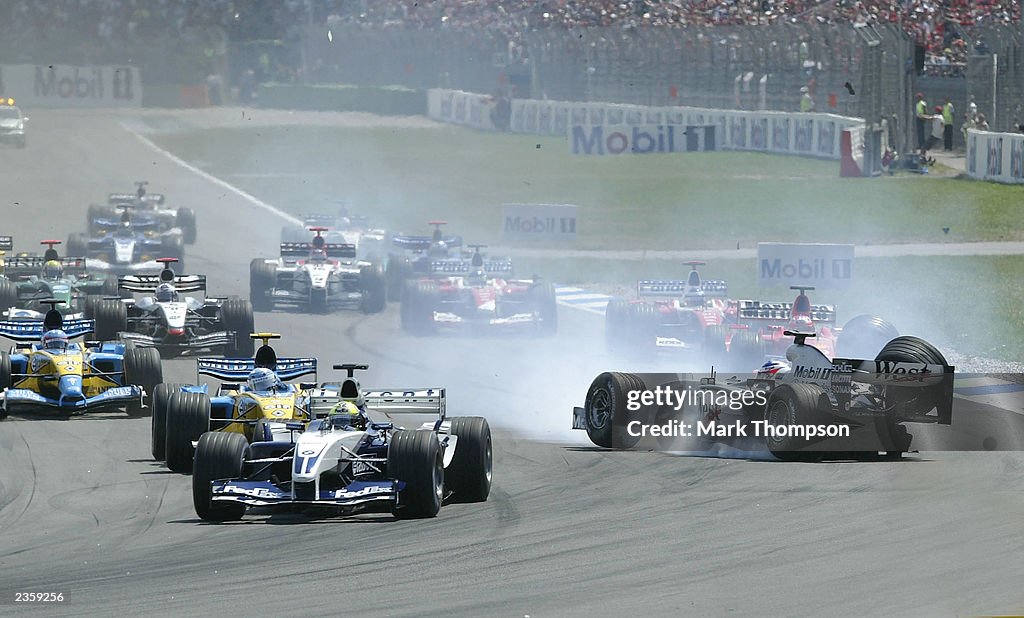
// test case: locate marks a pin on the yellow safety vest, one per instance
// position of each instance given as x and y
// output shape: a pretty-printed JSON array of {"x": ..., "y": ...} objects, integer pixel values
[
  {"x": 921, "y": 106},
  {"x": 947, "y": 113}
]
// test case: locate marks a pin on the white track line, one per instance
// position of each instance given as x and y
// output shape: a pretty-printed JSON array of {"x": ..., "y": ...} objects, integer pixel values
[{"x": 252, "y": 199}]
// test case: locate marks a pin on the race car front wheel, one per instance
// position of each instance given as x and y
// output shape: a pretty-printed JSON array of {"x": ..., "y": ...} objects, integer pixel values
[
  {"x": 188, "y": 417},
  {"x": 606, "y": 415},
  {"x": 414, "y": 458},
  {"x": 468, "y": 475},
  {"x": 219, "y": 455},
  {"x": 142, "y": 368},
  {"x": 158, "y": 414},
  {"x": 790, "y": 405}
]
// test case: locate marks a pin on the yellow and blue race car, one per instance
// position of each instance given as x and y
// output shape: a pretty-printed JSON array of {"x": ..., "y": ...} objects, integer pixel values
[
  {"x": 46, "y": 370},
  {"x": 253, "y": 391}
]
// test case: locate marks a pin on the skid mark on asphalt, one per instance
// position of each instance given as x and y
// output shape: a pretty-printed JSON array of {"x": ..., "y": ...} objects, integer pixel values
[{"x": 32, "y": 492}]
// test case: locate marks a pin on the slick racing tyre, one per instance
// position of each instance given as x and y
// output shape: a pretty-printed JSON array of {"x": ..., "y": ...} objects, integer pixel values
[
  {"x": 8, "y": 295},
  {"x": 468, "y": 475},
  {"x": 545, "y": 302},
  {"x": 219, "y": 455},
  {"x": 158, "y": 415},
  {"x": 5, "y": 377},
  {"x": 863, "y": 336},
  {"x": 605, "y": 412},
  {"x": 78, "y": 245},
  {"x": 262, "y": 278},
  {"x": 419, "y": 301},
  {"x": 913, "y": 399},
  {"x": 188, "y": 417},
  {"x": 174, "y": 247},
  {"x": 185, "y": 219},
  {"x": 111, "y": 318},
  {"x": 616, "y": 321},
  {"x": 374, "y": 286},
  {"x": 414, "y": 458},
  {"x": 397, "y": 272},
  {"x": 746, "y": 351},
  {"x": 789, "y": 405},
  {"x": 142, "y": 368},
  {"x": 236, "y": 315},
  {"x": 714, "y": 344}
]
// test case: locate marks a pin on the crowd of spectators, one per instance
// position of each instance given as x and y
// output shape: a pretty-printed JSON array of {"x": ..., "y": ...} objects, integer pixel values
[{"x": 935, "y": 24}]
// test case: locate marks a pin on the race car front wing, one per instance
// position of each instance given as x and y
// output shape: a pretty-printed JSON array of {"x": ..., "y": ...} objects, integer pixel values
[
  {"x": 265, "y": 493},
  {"x": 197, "y": 342},
  {"x": 112, "y": 397}
]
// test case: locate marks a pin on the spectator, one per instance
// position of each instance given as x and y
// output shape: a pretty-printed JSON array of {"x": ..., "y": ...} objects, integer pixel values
[
  {"x": 806, "y": 101},
  {"x": 968, "y": 124},
  {"x": 981, "y": 124}
]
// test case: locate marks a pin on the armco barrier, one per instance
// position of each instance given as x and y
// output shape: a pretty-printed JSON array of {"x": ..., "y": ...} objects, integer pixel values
[
  {"x": 384, "y": 100},
  {"x": 811, "y": 135}
]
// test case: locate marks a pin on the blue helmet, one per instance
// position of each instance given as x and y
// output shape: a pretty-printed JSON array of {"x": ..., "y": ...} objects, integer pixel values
[
  {"x": 262, "y": 379},
  {"x": 55, "y": 340}
]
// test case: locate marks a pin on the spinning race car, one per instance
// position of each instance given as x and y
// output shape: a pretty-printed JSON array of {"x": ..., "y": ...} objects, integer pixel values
[
  {"x": 55, "y": 373},
  {"x": 415, "y": 255},
  {"x": 174, "y": 323},
  {"x": 144, "y": 207},
  {"x": 128, "y": 245},
  {"x": 317, "y": 276},
  {"x": 344, "y": 461},
  {"x": 462, "y": 294},
  {"x": 342, "y": 228}
]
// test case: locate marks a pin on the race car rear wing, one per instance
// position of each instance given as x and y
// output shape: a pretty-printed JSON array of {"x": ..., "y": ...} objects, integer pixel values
[
  {"x": 422, "y": 243},
  {"x": 149, "y": 283},
  {"x": 6, "y": 243},
  {"x": 781, "y": 312},
  {"x": 302, "y": 249},
  {"x": 27, "y": 265},
  {"x": 460, "y": 266},
  {"x": 32, "y": 330},
  {"x": 129, "y": 199},
  {"x": 406, "y": 401},
  {"x": 142, "y": 225},
  {"x": 238, "y": 369},
  {"x": 676, "y": 288}
]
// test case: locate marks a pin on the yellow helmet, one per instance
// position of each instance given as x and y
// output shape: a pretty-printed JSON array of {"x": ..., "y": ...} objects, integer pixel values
[
  {"x": 53, "y": 270},
  {"x": 345, "y": 413}
]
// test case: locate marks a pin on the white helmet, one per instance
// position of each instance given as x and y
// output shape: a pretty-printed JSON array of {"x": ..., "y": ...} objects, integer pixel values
[
  {"x": 55, "y": 340},
  {"x": 165, "y": 292},
  {"x": 262, "y": 379}
]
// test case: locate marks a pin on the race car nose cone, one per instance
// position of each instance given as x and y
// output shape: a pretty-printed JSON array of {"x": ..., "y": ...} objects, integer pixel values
[
  {"x": 71, "y": 386},
  {"x": 176, "y": 331}
]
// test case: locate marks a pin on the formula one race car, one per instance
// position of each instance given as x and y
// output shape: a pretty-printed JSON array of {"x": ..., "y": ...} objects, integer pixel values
[
  {"x": 344, "y": 461},
  {"x": 317, "y": 276},
  {"x": 181, "y": 413},
  {"x": 12, "y": 123},
  {"x": 145, "y": 207},
  {"x": 462, "y": 294},
  {"x": 415, "y": 255},
  {"x": 173, "y": 323},
  {"x": 30, "y": 279},
  {"x": 799, "y": 404},
  {"x": 370, "y": 243},
  {"x": 127, "y": 246},
  {"x": 72, "y": 378},
  {"x": 760, "y": 328},
  {"x": 671, "y": 315}
]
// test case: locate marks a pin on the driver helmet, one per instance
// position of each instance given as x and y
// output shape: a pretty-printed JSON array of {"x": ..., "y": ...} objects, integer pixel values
[
  {"x": 262, "y": 379},
  {"x": 346, "y": 414},
  {"x": 55, "y": 340},
  {"x": 774, "y": 367},
  {"x": 165, "y": 292},
  {"x": 477, "y": 277},
  {"x": 438, "y": 249},
  {"x": 53, "y": 270},
  {"x": 124, "y": 230},
  {"x": 801, "y": 324}
]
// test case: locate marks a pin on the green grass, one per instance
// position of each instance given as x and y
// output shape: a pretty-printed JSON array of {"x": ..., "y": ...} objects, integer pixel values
[
  {"x": 973, "y": 304},
  {"x": 401, "y": 178}
]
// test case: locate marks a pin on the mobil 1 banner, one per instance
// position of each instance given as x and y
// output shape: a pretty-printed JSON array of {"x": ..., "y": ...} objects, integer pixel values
[
  {"x": 625, "y": 139},
  {"x": 63, "y": 85},
  {"x": 815, "y": 265},
  {"x": 550, "y": 222}
]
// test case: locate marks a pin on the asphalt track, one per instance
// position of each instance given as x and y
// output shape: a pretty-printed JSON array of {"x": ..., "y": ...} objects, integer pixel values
[{"x": 568, "y": 530}]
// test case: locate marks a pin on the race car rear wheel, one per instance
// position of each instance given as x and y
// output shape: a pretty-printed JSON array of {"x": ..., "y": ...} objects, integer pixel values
[
  {"x": 616, "y": 316},
  {"x": 789, "y": 405},
  {"x": 236, "y": 315},
  {"x": 188, "y": 417},
  {"x": 98, "y": 211},
  {"x": 373, "y": 284},
  {"x": 907, "y": 349},
  {"x": 419, "y": 302},
  {"x": 414, "y": 458},
  {"x": 605, "y": 411},
  {"x": 262, "y": 277},
  {"x": 746, "y": 351},
  {"x": 8, "y": 295},
  {"x": 142, "y": 368},
  {"x": 714, "y": 344},
  {"x": 185, "y": 219},
  {"x": 111, "y": 318},
  {"x": 863, "y": 336},
  {"x": 398, "y": 270},
  {"x": 545, "y": 302},
  {"x": 219, "y": 455},
  {"x": 468, "y": 475},
  {"x": 158, "y": 416}
]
